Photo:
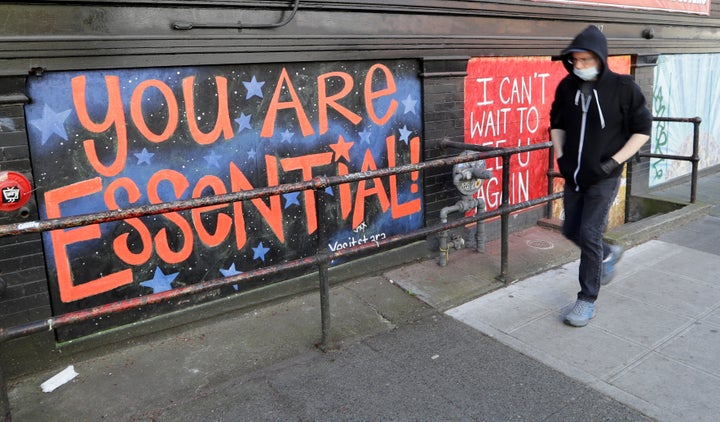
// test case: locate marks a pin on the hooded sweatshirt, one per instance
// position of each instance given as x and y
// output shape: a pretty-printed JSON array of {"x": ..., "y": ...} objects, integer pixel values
[{"x": 598, "y": 117}]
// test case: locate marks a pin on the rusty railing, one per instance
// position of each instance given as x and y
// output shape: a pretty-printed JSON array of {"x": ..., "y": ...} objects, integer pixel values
[
  {"x": 694, "y": 158},
  {"x": 321, "y": 259}
]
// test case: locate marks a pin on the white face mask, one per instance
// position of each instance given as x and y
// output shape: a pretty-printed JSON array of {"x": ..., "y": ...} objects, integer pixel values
[{"x": 586, "y": 74}]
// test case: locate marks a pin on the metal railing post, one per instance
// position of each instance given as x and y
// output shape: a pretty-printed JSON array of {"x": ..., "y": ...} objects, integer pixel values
[
  {"x": 4, "y": 400},
  {"x": 695, "y": 159},
  {"x": 323, "y": 263},
  {"x": 504, "y": 218},
  {"x": 551, "y": 180},
  {"x": 628, "y": 188},
  {"x": 322, "y": 258}
]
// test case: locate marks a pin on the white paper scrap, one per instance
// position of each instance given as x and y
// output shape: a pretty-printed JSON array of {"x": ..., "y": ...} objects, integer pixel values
[{"x": 59, "y": 379}]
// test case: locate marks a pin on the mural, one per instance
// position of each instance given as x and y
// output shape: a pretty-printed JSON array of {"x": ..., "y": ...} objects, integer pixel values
[
  {"x": 685, "y": 86},
  {"x": 106, "y": 140},
  {"x": 507, "y": 104},
  {"x": 701, "y": 7}
]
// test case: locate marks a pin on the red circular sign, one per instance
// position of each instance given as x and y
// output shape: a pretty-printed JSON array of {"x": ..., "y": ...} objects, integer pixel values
[{"x": 15, "y": 190}]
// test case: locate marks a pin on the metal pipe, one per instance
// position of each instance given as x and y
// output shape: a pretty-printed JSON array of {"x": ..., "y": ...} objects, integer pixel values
[
  {"x": 551, "y": 179},
  {"x": 480, "y": 237},
  {"x": 323, "y": 263},
  {"x": 185, "y": 26},
  {"x": 666, "y": 156},
  {"x": 444, "y": 246},
  {"x": 9, "y": 333},
  {"x": 677, "y": 119},
  {"x": 695, "y": 159},
  {"x": 504, "y": 219},
  {"x": 4, "y": 400},
  {"x": 505, "y": 153},
  {"x": 493, "y": 152},
  {"x": 480, "y": 230},
  {"x": 319, "y": 182},
  {"x": 322, "y": 259},
  {"x": 628, "y": 189},
  {"x": 324, "y": 305}
]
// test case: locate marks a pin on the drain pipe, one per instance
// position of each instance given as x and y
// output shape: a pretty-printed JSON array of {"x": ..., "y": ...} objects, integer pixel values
[
  {"x": 458, "y": 242},
  {"x": 480, "y": 228},
  {"x": 468, "y": 178}
]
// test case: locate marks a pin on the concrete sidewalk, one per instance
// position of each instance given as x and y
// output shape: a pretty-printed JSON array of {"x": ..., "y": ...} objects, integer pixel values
[
  {"x": 653, "y": 343},
  {"x": 452, "y": 343}
]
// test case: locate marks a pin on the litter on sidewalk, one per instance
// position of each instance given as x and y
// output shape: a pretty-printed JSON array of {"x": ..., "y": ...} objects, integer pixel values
[{"x": 59, "y": 379}]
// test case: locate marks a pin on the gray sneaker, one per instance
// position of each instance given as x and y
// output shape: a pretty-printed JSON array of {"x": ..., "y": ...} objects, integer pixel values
[
  {"x": 580, "y": 314},
  {"x": 608, "y": 265}
]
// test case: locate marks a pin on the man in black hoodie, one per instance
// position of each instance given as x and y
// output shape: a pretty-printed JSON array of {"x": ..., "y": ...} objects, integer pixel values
[{"x": 598, "y": 120}]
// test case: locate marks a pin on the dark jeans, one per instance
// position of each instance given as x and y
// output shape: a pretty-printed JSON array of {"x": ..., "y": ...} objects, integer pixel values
[{"x": 586, "y": 215}]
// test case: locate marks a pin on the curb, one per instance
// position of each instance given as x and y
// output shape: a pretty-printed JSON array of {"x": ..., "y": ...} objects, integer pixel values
[{"x": 635, "y": 233}]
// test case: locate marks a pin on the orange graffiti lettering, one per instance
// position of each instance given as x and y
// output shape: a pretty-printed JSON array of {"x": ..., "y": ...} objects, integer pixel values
[
  {"x": 222, "y": 123},
  {"x": 325, "y": 101},
  {"x": 162, "y": 242},
  {"x": 115, "y": 117},
  {"x": 275, "y": 104},
  {"x": 371, "y": 95},
  {"x": 137, "y": 114},
  {"x": 61, "y": 239}
]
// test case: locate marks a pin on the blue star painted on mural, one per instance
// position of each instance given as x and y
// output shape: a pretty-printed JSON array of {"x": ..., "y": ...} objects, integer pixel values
[
  {"x": 329, "y": 189},
  {"x": 365, "y": 137},
  {"x": 405, "y": 134},
  {"x": 212, "y": 159},
  {"x": 144, "y": 156},
  {"x": 160, "y": 282},
  {"x": 228, "y": 272},
  {"x": 291, "y": 199},
  {"x": 52, "y": 122},
  {"x": 260, "y": 251},
  {"x": 254, "y": 88},
  {"x": 409, "y": 104},
  {"x": 287, "y": 136},
  {"x": 243, "y": 122},
  {"x": 251, "y": 154}
]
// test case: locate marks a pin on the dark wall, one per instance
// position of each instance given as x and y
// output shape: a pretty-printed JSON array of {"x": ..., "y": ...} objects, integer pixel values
[
  {"x": 643, "y": 70},
  {"x": 23, "y": 293},
  {"x": 99, "y": 34},
  {"x": 444, "y": 101}
]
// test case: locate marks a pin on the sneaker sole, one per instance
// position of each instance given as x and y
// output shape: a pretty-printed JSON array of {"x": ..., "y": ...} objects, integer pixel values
[{"x": 574, "y": 323}]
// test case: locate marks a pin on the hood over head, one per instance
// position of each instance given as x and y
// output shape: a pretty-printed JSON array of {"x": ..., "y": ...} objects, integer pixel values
[{"x": 590, "y": 39}]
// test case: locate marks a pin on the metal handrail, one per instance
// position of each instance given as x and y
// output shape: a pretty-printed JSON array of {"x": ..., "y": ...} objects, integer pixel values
[
  {"x": 321, "y": 259},
  {"x": 694, "y": 158}
]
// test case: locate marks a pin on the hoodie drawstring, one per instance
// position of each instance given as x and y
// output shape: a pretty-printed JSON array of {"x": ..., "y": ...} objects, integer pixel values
[
  {"x": 585, "y": 104},
  {"x": 585, "y": 108},
  {"x": 597, "y": 101}
]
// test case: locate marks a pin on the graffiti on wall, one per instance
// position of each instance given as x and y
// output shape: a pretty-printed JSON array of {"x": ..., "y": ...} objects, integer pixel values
[
  {"x": 507, "y": 104},
  {"x": 107, "y": 140},
  {"x": 701, "y": 7},
  {"x": 685, "y": 86}
]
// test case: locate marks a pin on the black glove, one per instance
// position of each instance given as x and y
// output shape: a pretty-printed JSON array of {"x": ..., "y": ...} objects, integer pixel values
[{"x": 609, "y": 165}]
